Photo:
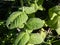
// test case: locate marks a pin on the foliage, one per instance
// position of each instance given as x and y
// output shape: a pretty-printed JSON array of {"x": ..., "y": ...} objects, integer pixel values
[{"x": 31, "y": 22}]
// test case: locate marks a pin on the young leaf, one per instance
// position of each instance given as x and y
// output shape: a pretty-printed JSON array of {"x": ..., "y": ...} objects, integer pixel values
[
  {"x": 24, "y": 40},
  {"x": 58, "y": 26},
  {"x": 19, "y": 37},
  {"x": 16, "y": 20},
  {"x": 37, "y": 38},
  {"x": 34, "y": 23},
  {"x": 40, "y": 7},
  {"x": 29, "y": 10},
  {"x": 32, "y": 9},
  {"x": 35, "y": 6},
  {"x": 52, "y": 23},
  {"x": 40, "y": 2},
  {"x": 54, "y": 11}
]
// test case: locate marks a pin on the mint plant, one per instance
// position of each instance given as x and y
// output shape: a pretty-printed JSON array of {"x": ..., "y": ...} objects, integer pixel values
[{"x": 25, "y": 28}]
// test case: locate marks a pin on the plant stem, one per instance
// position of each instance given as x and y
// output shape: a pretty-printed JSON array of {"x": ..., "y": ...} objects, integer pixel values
[
  {"x": 22, "y": 5},
  {"x": 21, "y": 1}
]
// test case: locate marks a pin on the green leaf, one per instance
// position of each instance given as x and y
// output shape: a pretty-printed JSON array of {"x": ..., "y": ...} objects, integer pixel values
[
  {"x": 19, "y": 37},
  {"x": 54, "y": 11},
  {"x": 35, "y": 6},
  {"x": 24, "y": 40},
  {"x": 29, "y": 10},
  {"x": 40, "y": 7},
  {"x": 34, "y": 23},
  {"x": 16, "y": 20},
  {"x": 39, "y": 3},
  {"x": 52, "y": 23},
  {"x": 37, "y": 38},
  {"x": 58, "y": 26},
  {"x": 12, "y": 17},
  {"x": 58, "y": 31}
]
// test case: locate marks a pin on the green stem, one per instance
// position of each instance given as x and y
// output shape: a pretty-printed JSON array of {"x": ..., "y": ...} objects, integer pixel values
[
  {"x": 29, "y": 2},
  {"x": 22, "y": 4},
  {"x": 21, "y": 1}
]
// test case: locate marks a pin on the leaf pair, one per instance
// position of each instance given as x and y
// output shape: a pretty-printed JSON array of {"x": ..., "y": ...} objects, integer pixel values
[
  {"x": 17, "y": 20},
  {"x": 25, "y": 38}
]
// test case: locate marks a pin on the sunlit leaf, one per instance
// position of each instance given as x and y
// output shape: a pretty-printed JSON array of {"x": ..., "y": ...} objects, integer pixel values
[
  {"x": 19, "y": 37},
  {"x": 58, "y": 26},
  {"x": 29, "y": 10},
  {"x": 37, "y": 38},
  {"x": 16, "y": 20},
  {"x": 34, "y": 23},
  {"x": 24, "y": 39}
]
